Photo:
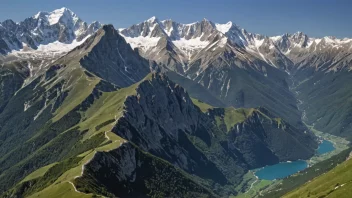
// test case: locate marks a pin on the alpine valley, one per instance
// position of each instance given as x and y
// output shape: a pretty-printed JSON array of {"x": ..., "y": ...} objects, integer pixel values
[{"x": 164, "y": 109}]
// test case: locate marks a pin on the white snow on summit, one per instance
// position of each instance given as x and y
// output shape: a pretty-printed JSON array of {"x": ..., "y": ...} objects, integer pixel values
[
  {"x": 53, "y": 34},
  {"x": 223, "y": 28},
  {"x": 55, "y": 16},
  {"x": 144, "y": 43},
  {"x": 152, "y": 19}
]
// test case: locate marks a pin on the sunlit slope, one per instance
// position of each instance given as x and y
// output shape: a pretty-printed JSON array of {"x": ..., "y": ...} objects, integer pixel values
[{"x": 335, "y": 183}]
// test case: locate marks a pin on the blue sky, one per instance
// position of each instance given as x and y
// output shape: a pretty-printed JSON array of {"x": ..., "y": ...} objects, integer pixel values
[{"x": 316, "y": 18}]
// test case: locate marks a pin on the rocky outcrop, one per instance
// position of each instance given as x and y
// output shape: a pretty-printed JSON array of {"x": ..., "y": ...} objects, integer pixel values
[
  {"x": 129, "y": 172},
  {"x": 12, "y": 77},
  {"x": 265, "y": 140},
  {"x": 161, "y": 119},
  {"x": 112, "y": 59}
]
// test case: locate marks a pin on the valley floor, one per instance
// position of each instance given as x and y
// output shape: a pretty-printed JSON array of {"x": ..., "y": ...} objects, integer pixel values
[
  {"x": 340, "y": 144},
  {"x": 254, "y": 187}
]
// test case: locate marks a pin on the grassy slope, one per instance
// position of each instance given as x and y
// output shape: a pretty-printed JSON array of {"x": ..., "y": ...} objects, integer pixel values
[
  {"x": 54, "y": 179},
  {"x": 231, "y": 116},
  {"x": 108, "y": 107},
  {"x": 38, "y": 173},
  {"x": 80, "y": 86},
  {"x": 340, "y": 145},
  {"x": 204, "y": 107},
  {"x": 281, "y": 187},
  {"x": 320, "y": 164},
  {"x": 335, "y": 183},
  {"x": 65, "y": 189},
  {"x": 63, "y": 186}
]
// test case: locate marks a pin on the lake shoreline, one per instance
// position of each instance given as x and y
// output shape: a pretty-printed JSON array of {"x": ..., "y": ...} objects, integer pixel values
[
  {"x": 339, "y": 144},
  {"x": 275, "y": 171},
  {"x": 262, "y": 185}
]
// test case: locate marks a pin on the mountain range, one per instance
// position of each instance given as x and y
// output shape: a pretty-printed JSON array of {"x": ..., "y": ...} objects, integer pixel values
[{"x": 159, "y": 109}]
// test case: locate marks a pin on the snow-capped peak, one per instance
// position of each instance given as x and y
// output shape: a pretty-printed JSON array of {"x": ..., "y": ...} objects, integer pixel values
[
  {"x": 60, "y": 25},
  {"x": 153, "y": 19},
  {"x": 55, "y": 16},
  {"x": 223, "y": 28}
]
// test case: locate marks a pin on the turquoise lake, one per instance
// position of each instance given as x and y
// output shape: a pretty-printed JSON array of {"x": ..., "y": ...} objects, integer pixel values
[
  {"x": 281, "y": 170},
  {"x": 284, "y": 169},
  {"x": 325, "y": 147}
]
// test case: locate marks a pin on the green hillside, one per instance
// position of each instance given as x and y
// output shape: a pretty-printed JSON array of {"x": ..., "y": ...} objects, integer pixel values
[{"x": 335, "y": 183}]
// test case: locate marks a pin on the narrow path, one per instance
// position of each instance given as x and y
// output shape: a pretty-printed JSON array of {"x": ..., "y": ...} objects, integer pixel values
[
  {"x": 75, "y": 188},
  {"x": 256, "y": 179}
]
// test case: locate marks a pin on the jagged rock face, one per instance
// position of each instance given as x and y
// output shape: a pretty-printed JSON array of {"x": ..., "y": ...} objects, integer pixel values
[
  {"x": 112, "y": 59},
  {"x": 40, "y": 40},
  {"x": 288, "y": 51},
  {"x": 239, "y": 87},
  {"x": 237, "y": 67},
  {"x": 12, "y": 78},
  {"x": 193, "y": 39},
  {"x": 262, "y": 139},
  {"x": 160, "y": 118},
  {"x": 128, "y": 172},
  {"x": 168, "y": 28},
  {"x": 170, "y": 43},
  {"x": 61, "y": 25},
  {"x": 269, "y": 142},
  {"x": 325, "y": 54},
  {"x": 286, "y": 42}
]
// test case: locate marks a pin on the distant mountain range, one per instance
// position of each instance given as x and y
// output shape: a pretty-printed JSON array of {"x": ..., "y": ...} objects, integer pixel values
[{"x": 159, "y": 109}]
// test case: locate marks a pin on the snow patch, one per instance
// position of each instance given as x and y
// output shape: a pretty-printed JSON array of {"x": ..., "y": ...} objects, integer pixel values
[
  {"x": 275, "y": 38},
  {"x": 55, "y": 16},
  {"x": 223, "y": 42},
  {"x": 57, "y": 46},
  {"x": 168, "y": 32},
  {"x": 258, "y": 43},
  {"x": 48, "y": 49},
  {"x": 317, "y": 41},
  {"x": 223, "y": 28},
  {"x": 26, "y": 106},
  {"x": 142, "y": 42},
  {"x": 190, "y": 45},
  {"x": 152, "y": 19}
]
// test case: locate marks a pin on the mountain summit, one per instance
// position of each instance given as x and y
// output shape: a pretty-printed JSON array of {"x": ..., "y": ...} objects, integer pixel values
[
  {"x": 61, "y": 25},
  {"x": 161, "y": 108}
]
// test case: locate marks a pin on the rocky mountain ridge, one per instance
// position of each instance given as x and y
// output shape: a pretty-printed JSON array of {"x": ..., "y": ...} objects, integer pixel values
[
  {"x": 131, "y": 130},
  {"x": 282, "y": 51},
  {"x": 228, "y": 62},
  {"x": 61, "y": 25}
]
